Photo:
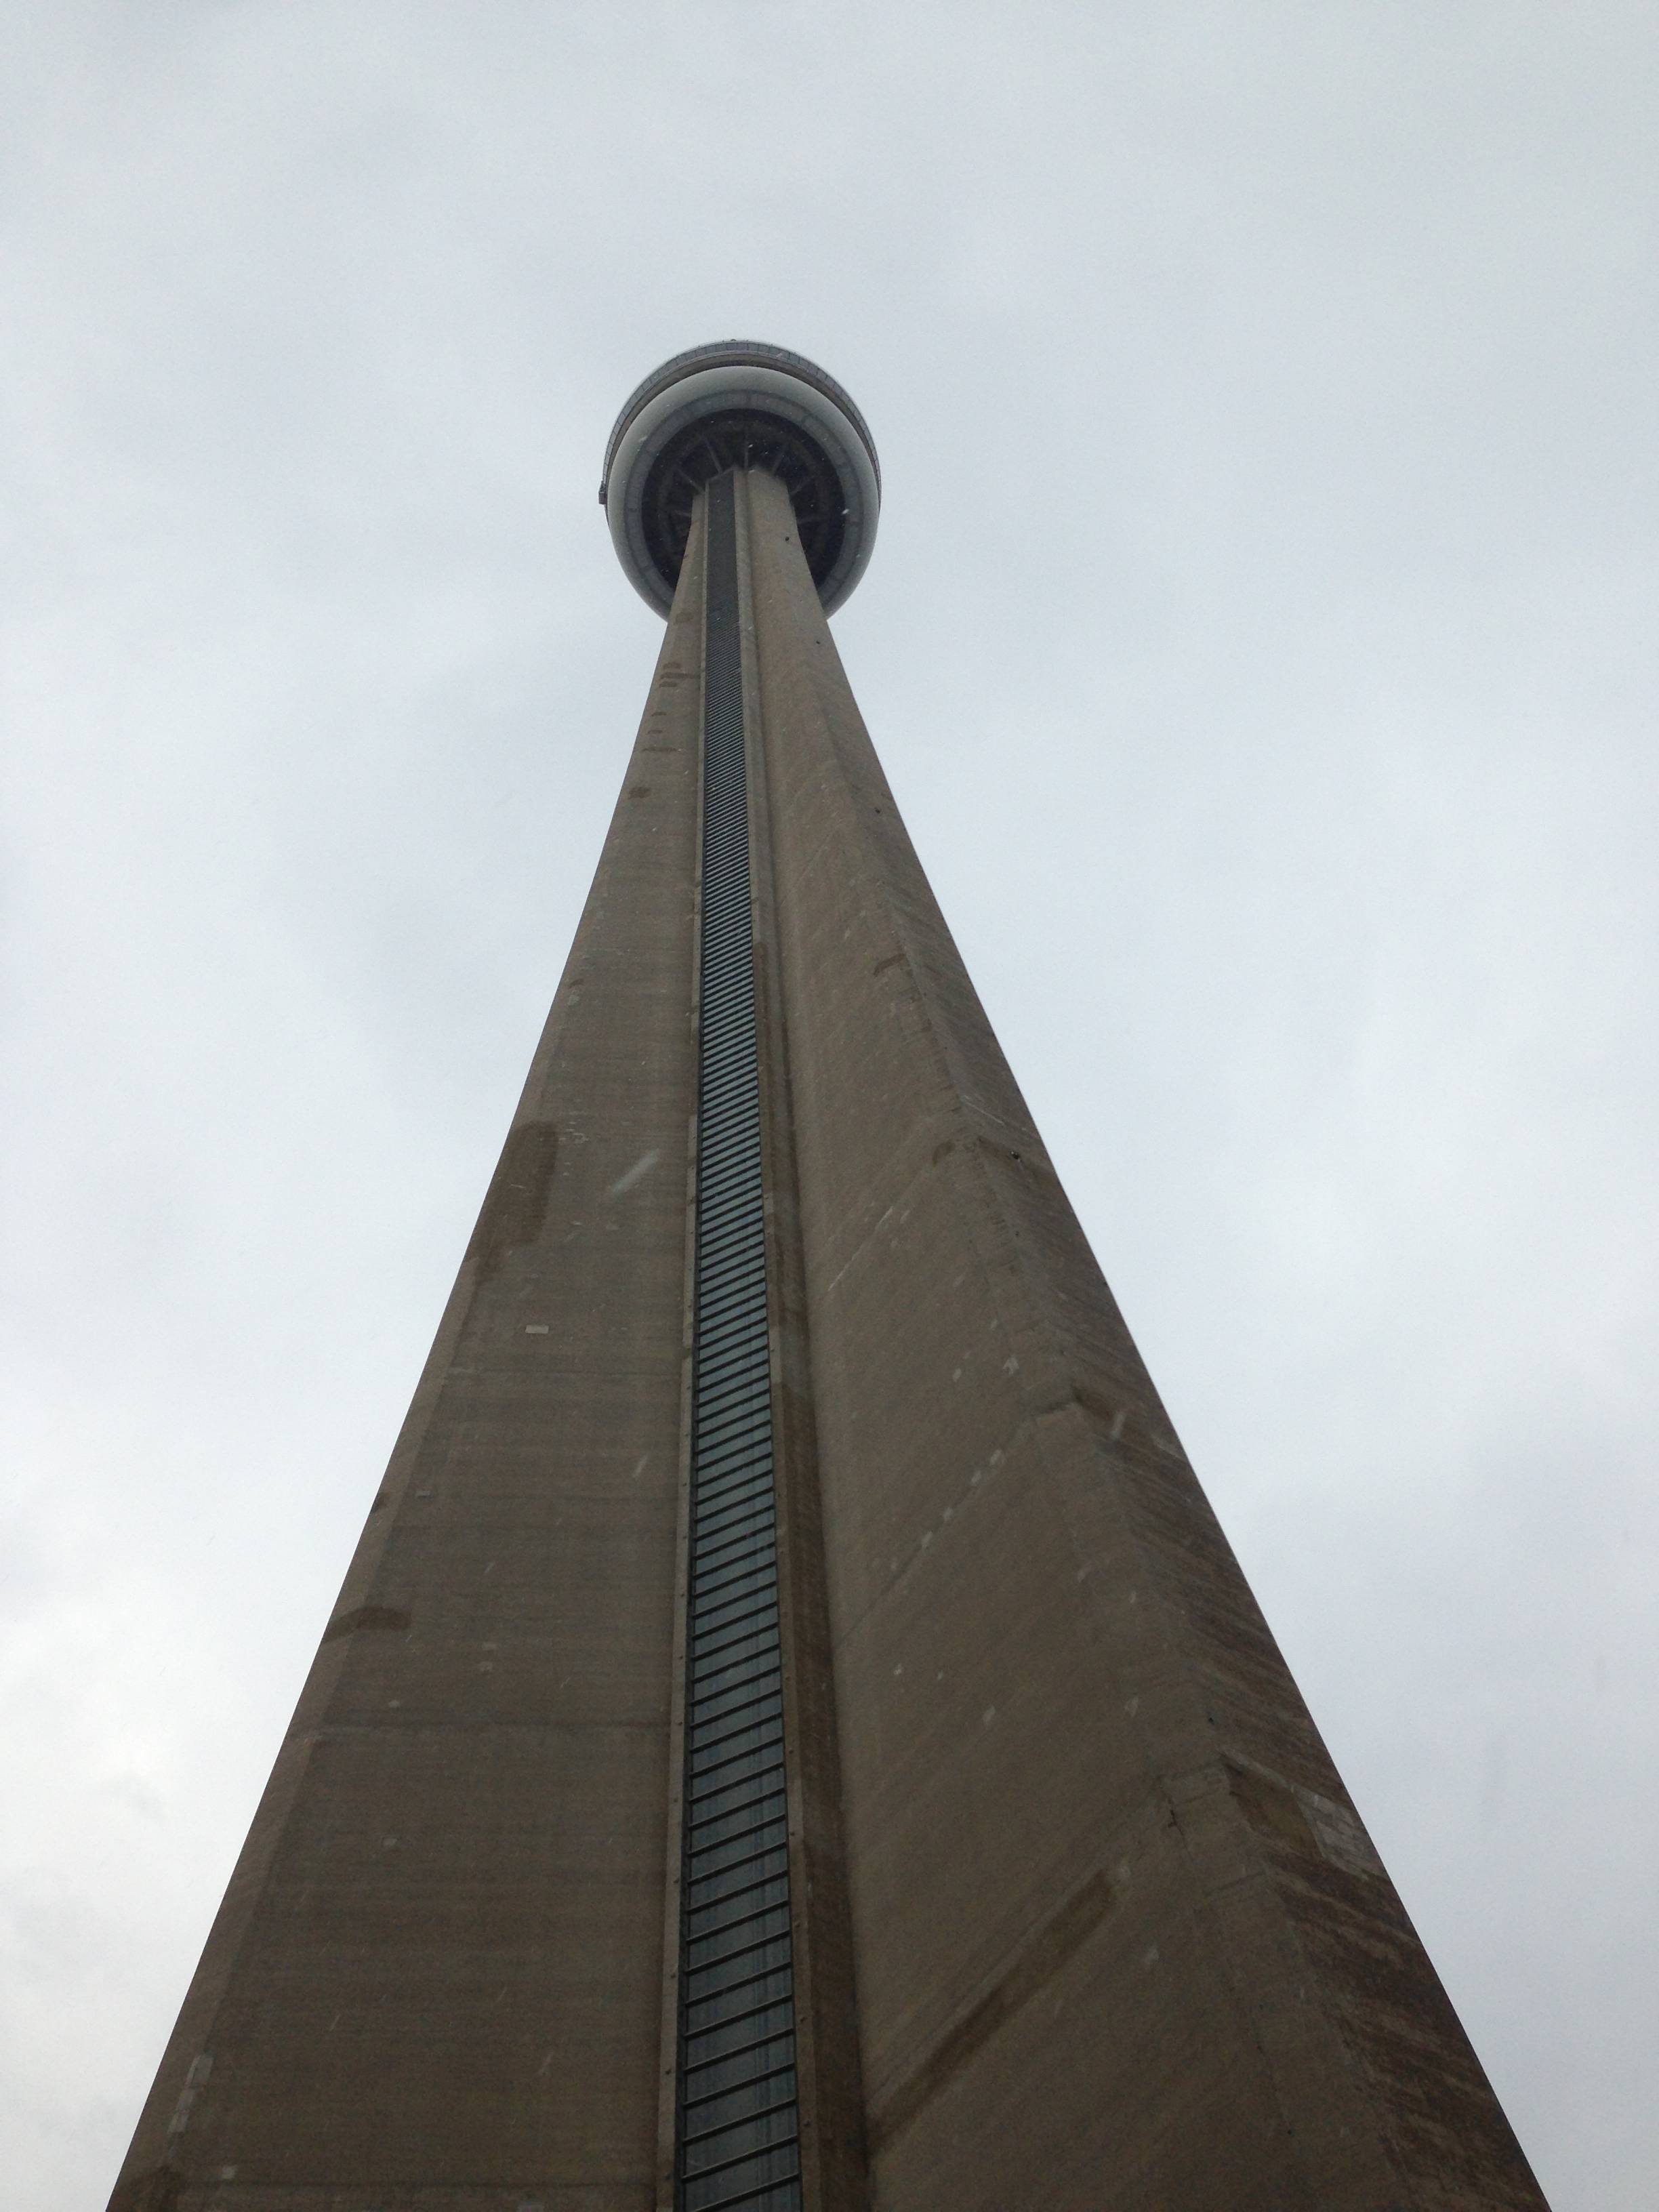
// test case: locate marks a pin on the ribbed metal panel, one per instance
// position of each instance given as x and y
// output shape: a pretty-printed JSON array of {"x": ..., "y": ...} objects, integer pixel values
[{"x": 738, "y": 2131}]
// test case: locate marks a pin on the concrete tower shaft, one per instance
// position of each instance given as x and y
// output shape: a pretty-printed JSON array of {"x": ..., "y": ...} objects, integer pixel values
[{"x": 794, "y": 1734}]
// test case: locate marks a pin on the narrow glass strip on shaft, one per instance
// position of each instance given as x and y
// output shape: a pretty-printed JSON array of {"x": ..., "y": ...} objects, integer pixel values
[{"x": 738, "y": 2131}]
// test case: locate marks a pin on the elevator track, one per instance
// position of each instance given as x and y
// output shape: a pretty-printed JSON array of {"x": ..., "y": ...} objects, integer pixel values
[{"x": 738, "y": 2121}]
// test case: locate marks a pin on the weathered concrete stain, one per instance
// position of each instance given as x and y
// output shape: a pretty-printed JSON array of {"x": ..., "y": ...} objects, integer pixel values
[
  {"x": 515, "y": 1206},
  {"x": 391, "y": 1617}
]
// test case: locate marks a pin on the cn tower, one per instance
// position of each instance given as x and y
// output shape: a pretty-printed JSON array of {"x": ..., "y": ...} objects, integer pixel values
[{"x": 793, "y": 1733}]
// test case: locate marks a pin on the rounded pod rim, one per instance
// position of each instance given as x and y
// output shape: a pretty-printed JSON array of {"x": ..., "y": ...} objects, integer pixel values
[{"x": 739, "y": 402}]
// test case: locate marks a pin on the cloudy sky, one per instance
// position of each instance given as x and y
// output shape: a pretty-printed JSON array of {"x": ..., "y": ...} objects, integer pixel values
[{"x": 1261, "y": 642}]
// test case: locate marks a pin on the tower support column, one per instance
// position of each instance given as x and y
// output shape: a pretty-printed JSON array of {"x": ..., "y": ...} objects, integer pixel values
[
  {"x": 793, "y": 1736},
  {"x": 1119, "y": 1933},
  {"x": 434, "y": 1982}
]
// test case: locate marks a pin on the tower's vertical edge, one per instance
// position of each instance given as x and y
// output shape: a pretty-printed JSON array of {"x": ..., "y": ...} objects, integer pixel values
[
  {"x": 435, "y": 1976},
  {"x": 1119, "y": 1933}
]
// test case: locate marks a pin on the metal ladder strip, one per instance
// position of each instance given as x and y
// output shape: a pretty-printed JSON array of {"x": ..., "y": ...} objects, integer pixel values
[{"x": 734, "y": 1557}]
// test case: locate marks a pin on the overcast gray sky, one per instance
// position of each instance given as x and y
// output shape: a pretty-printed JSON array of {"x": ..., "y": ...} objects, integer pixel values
[{"x": 1261, "y": 642}]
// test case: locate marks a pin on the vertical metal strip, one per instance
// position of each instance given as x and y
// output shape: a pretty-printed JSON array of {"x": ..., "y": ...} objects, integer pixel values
[{"x": 738, "y": 2116}]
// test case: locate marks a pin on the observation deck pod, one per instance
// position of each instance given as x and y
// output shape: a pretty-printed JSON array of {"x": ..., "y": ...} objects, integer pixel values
[{"x": 737, "y": 404}]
